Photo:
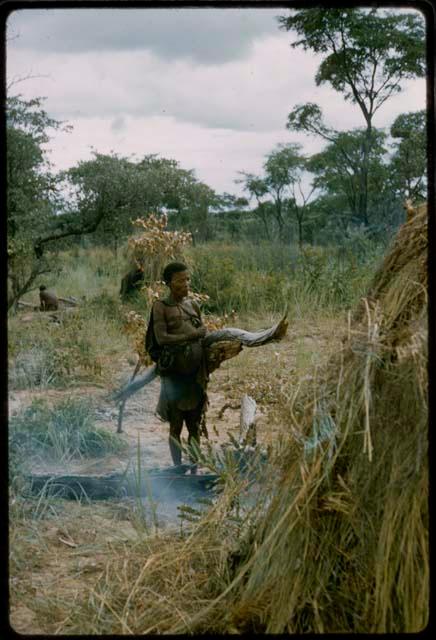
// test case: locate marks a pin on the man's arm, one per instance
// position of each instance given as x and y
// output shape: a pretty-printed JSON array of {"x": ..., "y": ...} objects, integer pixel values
[{"x": 161, "y": 329}]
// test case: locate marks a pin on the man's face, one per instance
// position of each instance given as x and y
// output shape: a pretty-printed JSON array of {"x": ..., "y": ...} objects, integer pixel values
[{"x": 179, "y": 285}]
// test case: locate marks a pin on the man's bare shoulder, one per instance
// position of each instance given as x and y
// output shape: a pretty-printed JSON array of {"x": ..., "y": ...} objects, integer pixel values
[
  {"x": 158, "y": 307},
  {"x": 190, "y": 305}
]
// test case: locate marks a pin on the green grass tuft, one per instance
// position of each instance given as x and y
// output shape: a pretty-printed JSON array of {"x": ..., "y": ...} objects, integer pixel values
[{"x": 61, "y": 433}]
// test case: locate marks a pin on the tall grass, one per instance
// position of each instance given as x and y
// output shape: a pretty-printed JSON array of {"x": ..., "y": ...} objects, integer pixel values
[
  {"x": 267, "y": 277},
  {"x": 90, "y": 272},
  {"x": 61, "y": 432},
  {"x": 261, "y": 280},
  {"x": 44, "y": 355},
  {"x": 337, "y": 539}
]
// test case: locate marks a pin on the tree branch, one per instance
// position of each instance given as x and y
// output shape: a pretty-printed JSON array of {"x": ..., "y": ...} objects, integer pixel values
[
  {"x": 37, "y": 270},
  {"x": 86, "y": 228}
]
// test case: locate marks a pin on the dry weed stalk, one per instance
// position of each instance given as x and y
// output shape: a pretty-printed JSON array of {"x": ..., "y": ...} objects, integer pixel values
[{"x": 156, "y": 245}]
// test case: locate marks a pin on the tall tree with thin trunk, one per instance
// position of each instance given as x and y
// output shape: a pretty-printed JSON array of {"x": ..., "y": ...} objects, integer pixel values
[{"x": 368, "y": 53}]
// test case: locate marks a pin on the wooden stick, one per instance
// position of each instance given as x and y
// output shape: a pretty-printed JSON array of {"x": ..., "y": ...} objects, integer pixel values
[
  {"x": 70, "y": 301},
  {"x": 123, "y": 402},
  {"x": 247, "y": 425}
]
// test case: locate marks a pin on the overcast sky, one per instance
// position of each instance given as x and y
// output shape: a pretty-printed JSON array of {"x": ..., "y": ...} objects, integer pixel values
[{"x": 211, "y": 88}]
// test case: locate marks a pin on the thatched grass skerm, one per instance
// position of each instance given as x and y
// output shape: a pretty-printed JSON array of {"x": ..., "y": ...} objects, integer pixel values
[
  {"x": 344, "y": 546},
  {"x": 60, "y": 432}
]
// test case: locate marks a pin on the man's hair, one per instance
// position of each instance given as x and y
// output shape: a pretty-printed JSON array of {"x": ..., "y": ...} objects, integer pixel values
[
  {"x": 42, "y": 287},
  {"x": 171, "y": 268}
]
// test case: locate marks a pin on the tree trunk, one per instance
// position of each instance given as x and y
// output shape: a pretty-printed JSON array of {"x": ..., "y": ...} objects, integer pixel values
[
  {"x": 363, "y": 186},
  {"x": 264, "y": 220},
  {"x": 279, "y": 217},
  {"x": 247, "y": 421},
  {"x": 300, "y": 231}
]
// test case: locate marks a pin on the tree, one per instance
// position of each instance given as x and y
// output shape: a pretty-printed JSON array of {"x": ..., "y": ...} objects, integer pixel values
[
  {"x": 31, "y": 190},
  {"x": 282, "y": 170},
  {"x": 368, "y": 53},
  {"x": 300, "y": 211},
  {"x": 109, "y": 194},
  {"x": 230, "y": 216},
  {"x": 256, "y": 187},
  {"x": 337, "y": 171},
  {"x": 409, "y": 160},
  {"x": 202, "y": 199}
]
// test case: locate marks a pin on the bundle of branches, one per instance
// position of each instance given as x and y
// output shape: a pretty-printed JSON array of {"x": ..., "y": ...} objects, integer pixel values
[{"x": 344, "y": 545}]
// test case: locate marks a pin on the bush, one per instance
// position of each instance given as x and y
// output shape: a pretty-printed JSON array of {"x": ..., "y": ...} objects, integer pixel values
[
  {"x": 235, "y": 278},
  {"x": 249, "y": 278}
]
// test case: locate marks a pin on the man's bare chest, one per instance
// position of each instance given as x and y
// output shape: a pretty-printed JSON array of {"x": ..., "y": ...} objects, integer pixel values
[{"x": 179, "y": 317}]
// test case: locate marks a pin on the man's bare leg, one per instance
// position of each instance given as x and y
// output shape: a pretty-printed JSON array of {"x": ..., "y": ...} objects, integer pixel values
[
  {"x": 193, "y": 420},
  {"x": 176, "y": 424}
]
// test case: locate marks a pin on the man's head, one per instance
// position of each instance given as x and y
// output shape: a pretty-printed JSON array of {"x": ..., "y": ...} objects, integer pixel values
[
  {"x": 42, "y": 287},
  {"x": 176, "y": 277}
]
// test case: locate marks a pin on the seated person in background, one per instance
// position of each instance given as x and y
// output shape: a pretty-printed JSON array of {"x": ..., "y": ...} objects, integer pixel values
[
  {"x": 48, "y": 299},
  {"x": 131, "y": 283}
]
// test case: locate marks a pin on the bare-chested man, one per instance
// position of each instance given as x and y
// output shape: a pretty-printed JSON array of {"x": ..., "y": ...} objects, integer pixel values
[{"x": 178, "y": 329}]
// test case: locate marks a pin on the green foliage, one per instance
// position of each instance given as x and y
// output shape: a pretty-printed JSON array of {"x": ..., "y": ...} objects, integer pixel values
[
  {"x": 337, "y": 169},
  {"x": 282, "y": 183},
  {"x": 336, "y": 277},
  {"x": 31, "y": 187},
  {"x": 118, "y": 190},
  {"x": 236, "y": 279},
  {"x": 90, "y": 271},
  {"x": 60, "y": 433},
  {"x": 409, "y": 162},
  {"x": 368, "y": 53}
]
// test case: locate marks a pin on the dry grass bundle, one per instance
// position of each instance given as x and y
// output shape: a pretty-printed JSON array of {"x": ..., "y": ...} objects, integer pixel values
[
  {"x": 344, "y": 546},
  {"x": 158, "y": 584},
  {"x": 401, "y": 280}
]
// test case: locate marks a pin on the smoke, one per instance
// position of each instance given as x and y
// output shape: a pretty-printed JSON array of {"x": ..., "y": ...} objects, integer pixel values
[{"x": 162, "y": 494}]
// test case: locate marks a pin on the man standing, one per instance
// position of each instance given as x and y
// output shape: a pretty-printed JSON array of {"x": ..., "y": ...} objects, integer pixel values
[{"x": 178, "y": 331}]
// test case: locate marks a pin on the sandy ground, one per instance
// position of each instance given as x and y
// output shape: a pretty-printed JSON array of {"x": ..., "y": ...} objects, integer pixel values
[{"x": 141, "y": 426}]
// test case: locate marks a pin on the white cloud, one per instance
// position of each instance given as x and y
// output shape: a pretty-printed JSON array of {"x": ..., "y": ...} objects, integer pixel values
[
  {"x": 254, "y": 95},
  {"x": 217, "y": 155},
  {"x": 195, "y": 33},
  {"x": 216, "y": 118}
]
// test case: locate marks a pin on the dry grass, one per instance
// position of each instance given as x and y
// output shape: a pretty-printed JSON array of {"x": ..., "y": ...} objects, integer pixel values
[{"x": 344, "y": 546}]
